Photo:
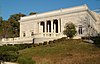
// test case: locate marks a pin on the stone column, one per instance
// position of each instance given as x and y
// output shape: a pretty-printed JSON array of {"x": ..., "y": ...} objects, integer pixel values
[
  {"x": 39, "y": 26},
  {"x": 54, "y": 30},
  {"x": 48, "y": 28},
  {"x": 59, "y": 26},
  {"x": 52, "y": 26},
  {"x": 45, "y": 28}
]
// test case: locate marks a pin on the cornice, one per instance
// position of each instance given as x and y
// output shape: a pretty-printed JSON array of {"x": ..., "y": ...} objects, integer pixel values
[{"x": 55, "y": 13}]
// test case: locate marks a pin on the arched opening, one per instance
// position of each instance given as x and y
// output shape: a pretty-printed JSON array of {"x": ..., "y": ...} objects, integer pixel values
[
  {"x": 43, "y": 27},
  {"x": 55, "y": 26},
  {"x": 48, "y": 26}
]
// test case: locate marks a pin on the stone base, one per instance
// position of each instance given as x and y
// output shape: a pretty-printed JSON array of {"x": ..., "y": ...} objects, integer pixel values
[{"x": 41, "y": 40}]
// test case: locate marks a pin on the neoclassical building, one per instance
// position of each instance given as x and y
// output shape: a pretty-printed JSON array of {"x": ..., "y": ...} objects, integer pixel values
[{"x": 50, "y": 25}]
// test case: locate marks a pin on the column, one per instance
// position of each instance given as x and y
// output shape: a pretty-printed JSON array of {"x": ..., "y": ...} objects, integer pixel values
[
  {"x": 45, "y": 28},
  {"x": 48, "y": 28},
  {"x": 39, "y": 27},
  {"x": 52, "y": 26},
  {"x": 58, "y": 25},
  {"x": 54, "y": 30}
]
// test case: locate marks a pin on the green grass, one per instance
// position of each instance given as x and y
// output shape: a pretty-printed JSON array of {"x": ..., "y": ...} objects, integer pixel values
[{"x": 64, "y": 51}]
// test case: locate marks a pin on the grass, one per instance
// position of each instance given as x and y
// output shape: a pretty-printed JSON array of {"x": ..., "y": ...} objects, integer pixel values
[{"x": 64, "y": 51}]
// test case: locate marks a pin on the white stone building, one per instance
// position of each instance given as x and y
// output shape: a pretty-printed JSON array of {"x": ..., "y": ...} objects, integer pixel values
[{"x": 50, "y": 25}]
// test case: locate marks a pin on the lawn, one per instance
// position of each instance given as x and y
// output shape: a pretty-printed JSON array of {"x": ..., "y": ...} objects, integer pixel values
[{"x": 63, "y": 51}]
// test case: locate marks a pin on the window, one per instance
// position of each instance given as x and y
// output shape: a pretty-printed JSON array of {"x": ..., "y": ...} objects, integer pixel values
[
  {"x": 24, "y": 35},
  {"x": 32, "y": 33},
  {"x": 80, "y": 29}
]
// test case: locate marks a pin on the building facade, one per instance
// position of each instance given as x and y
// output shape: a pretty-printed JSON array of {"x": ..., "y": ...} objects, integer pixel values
[{"x": 50, "y": 25}]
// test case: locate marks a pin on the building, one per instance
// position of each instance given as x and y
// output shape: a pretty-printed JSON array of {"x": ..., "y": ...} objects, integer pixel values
[{"x": 50, "y": 25}]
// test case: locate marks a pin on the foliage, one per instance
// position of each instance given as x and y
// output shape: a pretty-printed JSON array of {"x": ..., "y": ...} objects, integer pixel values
[
  {"x": 1, "y": 19},
  {"x": 9, "y": 56},
  {"x": 96, "y": 40},
  {"x": 70, "y": 30},
  {"x": 45, "y": 43},
  {"x": 23, "y": 46},
  {"x": 16, "y": 17},
  {"x": 10, "y": 27},
  {"x": 32, "y": 13},
  {"x": 8, "y": 48},
  {"x": 8, "y": 53}
]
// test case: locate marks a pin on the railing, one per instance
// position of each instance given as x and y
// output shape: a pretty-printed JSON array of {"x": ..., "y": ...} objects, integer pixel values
[
  {"x": 25, "y": 39},
  {"x": 49, "y": 34},
  {"x": 8, "y": 63},
  {"x": 16, "y": 39}
]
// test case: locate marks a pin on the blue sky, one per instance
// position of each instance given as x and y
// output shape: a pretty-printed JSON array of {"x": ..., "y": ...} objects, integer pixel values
[{"x": 9, "y": 7}]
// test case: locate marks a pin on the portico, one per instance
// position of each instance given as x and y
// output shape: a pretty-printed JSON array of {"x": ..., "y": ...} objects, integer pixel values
[{"x": 50, "y": 28}]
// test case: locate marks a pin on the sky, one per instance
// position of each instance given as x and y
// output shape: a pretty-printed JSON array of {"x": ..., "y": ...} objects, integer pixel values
[{"x": 9, "y": 7}]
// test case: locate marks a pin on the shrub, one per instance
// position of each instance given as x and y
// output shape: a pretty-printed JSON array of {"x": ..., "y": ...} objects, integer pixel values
[
  {"x": 54, "y": 41},
  {"x": 45, "y": 43},
  {"x": 40, "y": 44},
  {"x": 8, "y": 48},
  {"x": 8, "y": 53},
  {"x": 96, "y": 41},
  {"x": 63, "y": 39},
  {"x": 29, "y": 45},
  {"x": 23, "y": 46},
  {"x": 34, "y": 45},
  {"x": 70, "y": 30},
  {"x": 50, "y": 42}
]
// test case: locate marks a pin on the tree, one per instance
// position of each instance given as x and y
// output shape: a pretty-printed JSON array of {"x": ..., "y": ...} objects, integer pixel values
[
  {"x": 32, "y": 13},
  {"x": 10, "y": 27},
  {"x": 1, "y": 20},
  {"x": 13, "y": 20},
  {"x": 5, "y": 27},
  {"x": 16, "y": 17},
  {"x": 70, "y": 30}
]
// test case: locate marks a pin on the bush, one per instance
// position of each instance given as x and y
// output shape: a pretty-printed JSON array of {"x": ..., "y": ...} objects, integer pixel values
[
  {"x": 45, "y": 43},
  {"x": 8, "y": 48},
  {"x": 63, "y": 39},
  {"x": 34, "y": 45},
  {"x": 40, "y": 44},
  {"x": 96, "y": 41},
  {"x": 50, "y": 42},
  {"x": 23, "y": 46},
  {"x": 54, "y": 41},
  {"x": 10, "y": 56},
  {"x": 8, "y": 53},
  {"x": 70, "y": 30}
]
